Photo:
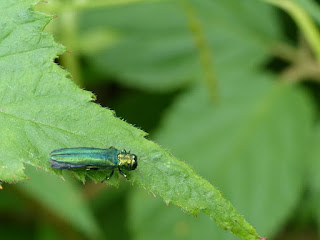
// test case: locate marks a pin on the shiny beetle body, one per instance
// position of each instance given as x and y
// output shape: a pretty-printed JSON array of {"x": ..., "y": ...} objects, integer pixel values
[{"x": 93, "y": 158}]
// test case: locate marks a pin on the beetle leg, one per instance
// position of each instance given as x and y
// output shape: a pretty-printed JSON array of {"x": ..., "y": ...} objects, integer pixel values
[
  {"x": 122, "y": 173},
  {"x": 92, "y": 169},
  {"x": 108, "y": 177}
]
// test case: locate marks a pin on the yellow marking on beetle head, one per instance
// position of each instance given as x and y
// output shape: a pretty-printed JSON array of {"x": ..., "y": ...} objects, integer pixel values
[{"x": 127, "y": 160}]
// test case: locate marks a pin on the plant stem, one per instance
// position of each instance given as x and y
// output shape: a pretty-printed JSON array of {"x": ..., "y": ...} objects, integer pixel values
[{"x": 303, "y": 20}]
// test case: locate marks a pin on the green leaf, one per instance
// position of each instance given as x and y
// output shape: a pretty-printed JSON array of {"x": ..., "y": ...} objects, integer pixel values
[
  {"x": 42, "y": 110},
  {"x": 313, "y": 175},
  {"x": 46, "y": 231},
  {"x": 165, "y": 53},
  {"x": 63, "y": 199},
  {"x": 150, "y": 218},
  {"x": 251, "y": 145}
]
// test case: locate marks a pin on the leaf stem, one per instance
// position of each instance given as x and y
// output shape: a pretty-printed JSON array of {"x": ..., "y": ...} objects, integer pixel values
[
  {"x": 302, "y": 67},
  {"x": 304, "y": 21}
]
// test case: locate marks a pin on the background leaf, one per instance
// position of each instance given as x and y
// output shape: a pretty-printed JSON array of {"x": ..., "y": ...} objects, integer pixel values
[
  {"x": 64, "y": 199},
  {"x": 313, "y": 177},
  {"x": 258, "y": 157},
  {"x": 164, "y": 54}
]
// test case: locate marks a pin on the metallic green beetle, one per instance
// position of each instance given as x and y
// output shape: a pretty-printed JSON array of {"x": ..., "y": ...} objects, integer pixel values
[{"x": 93, "y": 159}]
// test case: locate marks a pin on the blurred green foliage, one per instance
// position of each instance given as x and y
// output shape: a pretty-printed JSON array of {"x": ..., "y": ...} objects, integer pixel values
[{"x": 230, "y": 87}]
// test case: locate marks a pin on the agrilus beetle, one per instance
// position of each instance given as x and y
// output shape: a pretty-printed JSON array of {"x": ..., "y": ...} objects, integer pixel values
[{"x": 93, "y": 159}]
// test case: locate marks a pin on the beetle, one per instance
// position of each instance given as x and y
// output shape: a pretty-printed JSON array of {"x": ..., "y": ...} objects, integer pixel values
[{"x": 93, "y": 159}]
